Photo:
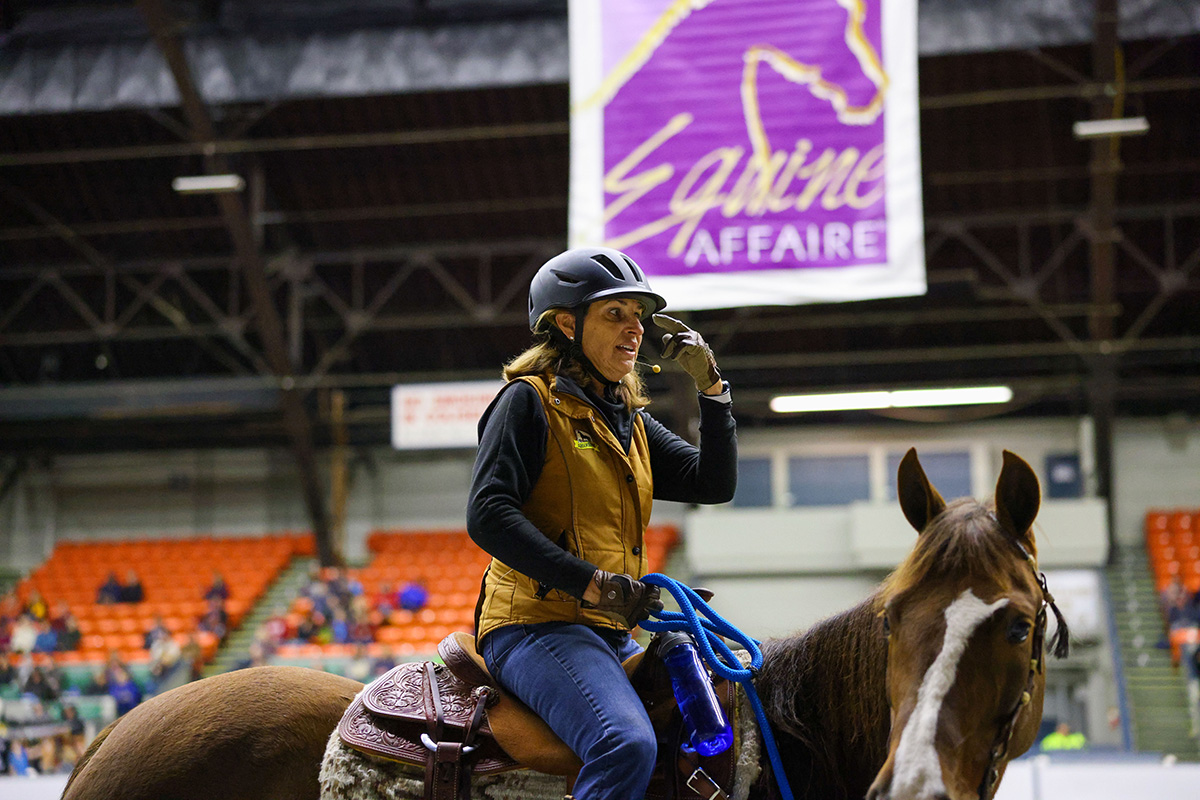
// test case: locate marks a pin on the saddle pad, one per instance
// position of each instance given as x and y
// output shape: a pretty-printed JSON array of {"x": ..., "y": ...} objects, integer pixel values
[{"x": 389, "y": 716}]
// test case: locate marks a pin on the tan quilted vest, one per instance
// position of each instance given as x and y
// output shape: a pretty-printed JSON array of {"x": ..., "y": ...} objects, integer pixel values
[{"x": 591, "y": 499}]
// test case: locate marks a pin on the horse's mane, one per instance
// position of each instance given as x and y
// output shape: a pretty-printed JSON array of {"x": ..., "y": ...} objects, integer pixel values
[
  {"x": 825, "y": 690},
  {"x": 965, "y": 539}
]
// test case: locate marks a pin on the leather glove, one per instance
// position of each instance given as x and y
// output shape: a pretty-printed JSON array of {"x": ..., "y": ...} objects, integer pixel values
[
  {"x": 626, "y": 597},
  {"x": 688, "y": 349}
]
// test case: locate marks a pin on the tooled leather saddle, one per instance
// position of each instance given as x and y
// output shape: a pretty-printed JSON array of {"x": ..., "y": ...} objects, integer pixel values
[{"x": 455, "y": 721}]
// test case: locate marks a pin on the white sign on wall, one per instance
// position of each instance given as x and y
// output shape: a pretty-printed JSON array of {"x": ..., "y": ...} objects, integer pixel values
[{"x": 436, "y": 415}]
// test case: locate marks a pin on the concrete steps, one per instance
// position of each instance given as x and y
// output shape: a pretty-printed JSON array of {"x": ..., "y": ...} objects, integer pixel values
[
  {"x": 1157, "y": 690},
  {"x": 280, "y": 593}
]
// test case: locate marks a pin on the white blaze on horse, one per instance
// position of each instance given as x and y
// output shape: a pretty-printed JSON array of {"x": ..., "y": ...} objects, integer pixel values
[{"x": 923, "y": 691}]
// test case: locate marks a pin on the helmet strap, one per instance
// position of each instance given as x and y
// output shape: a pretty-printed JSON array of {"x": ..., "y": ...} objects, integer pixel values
[{"x": 574, "y": 349}]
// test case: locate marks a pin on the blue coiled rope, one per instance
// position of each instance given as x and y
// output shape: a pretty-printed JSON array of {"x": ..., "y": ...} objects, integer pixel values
[{"x": 707, "y": 633}]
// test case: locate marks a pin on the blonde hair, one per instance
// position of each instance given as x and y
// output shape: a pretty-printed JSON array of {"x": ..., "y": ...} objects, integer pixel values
[{"x": 545, "y": 358}]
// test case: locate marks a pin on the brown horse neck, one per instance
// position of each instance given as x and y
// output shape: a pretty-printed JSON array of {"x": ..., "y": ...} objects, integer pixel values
[{"x": 824, "y": 693}]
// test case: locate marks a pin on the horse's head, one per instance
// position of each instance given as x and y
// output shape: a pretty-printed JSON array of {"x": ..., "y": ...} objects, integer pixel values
[{"x": 964, "y": 616}]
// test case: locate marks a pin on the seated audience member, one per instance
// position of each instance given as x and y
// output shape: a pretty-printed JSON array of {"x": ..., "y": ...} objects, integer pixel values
[
  {"x": 109, "y": 591},
  {"x": 218, "y": 589},
  {"x": 1063, "y": 739},
  {"x": 37, "y": 606},
  {"x": 257, "y": 657},
  {"x": 359, "y": 668},
  {"x": 97, "y": 682},
  {"x": 386, "y": 600},
  {"x": 124, "y": 690},
  {"x": 156, "y": 632},
  {"x": 8, "y": 673},
  {"x": 413, "y": 597},
  {"x": 131, "y": 590},
  {"x": 47, "y": 639},
  {"x": 40, "y": 687},
  {"x": 164, "y": 655},
  {"x": 339, "y": 627},
  {"x": 24, "y": 635},
  {"x": 214, "y": 620},
  {"x": 76, "y": 725},
  {"x": 275, "y": 627},
  {"x": 18, "y": 760},
  {"x": 70, "y": 636}
]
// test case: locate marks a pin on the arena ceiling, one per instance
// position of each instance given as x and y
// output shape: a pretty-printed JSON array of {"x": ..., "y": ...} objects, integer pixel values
[{"x": 389, "y": 237}]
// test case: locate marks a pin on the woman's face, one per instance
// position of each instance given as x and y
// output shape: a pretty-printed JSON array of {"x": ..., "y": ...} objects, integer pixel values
[{"x": 612, "y": 334}]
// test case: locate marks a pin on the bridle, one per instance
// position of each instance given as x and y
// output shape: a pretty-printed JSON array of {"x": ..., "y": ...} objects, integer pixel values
[{"x": 999, "y": 750}]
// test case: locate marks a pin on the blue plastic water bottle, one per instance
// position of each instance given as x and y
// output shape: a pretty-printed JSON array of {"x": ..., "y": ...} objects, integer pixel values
[{"x": 703, "y": 717}]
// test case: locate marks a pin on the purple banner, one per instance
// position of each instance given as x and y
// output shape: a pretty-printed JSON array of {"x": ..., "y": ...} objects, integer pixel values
[{"x": 744, "y": 137}]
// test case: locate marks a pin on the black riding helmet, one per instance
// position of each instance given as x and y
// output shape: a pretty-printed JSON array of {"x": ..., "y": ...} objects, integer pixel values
[{"x": 577, "y": 277}]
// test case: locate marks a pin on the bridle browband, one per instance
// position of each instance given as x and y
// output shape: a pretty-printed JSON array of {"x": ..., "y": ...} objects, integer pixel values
[{"x": 999, "y": 750}]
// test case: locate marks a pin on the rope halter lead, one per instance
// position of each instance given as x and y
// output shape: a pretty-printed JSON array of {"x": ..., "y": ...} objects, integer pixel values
[{"x": 999, "y": 751}]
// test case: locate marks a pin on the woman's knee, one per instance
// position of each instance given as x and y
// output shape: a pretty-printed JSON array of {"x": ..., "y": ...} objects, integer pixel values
[{"x": 634, "y": 746}]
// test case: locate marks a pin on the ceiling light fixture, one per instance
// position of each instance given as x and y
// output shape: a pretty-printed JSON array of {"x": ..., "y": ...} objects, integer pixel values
[
  {"x": 901, "y": 398},
  {"x": 1095, "y": 128},
  {"x": 208, "y": 184}
]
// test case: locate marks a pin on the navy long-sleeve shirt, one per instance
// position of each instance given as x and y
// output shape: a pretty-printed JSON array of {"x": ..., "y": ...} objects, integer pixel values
[{"x": 512, "y": 449}]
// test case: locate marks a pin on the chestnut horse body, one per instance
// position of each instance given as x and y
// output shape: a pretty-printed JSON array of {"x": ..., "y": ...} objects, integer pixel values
[{"x": 918, "y": 693}]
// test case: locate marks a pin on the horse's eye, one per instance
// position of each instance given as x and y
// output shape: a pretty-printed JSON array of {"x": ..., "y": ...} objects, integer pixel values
[
  {"x": 887, "y": 626},
  {"x": 1018, "y": 631}
]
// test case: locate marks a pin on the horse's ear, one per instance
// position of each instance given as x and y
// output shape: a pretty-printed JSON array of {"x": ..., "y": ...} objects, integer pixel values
[
  {"x": 1018, "y": 496},
  {"x": 918, "y": 499}
]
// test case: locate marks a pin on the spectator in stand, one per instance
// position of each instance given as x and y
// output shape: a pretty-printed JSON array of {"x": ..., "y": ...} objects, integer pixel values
[
  {"x": 164, "y": 656},
  {"x": 46, "y": 640},
  {"x": 24, "y": 635},
  {"x": 359, "y": 668},
  {"x": 275, "y": 628},
  {"x": 363, "y": 620},
  {"x": 215, "y": 620},
  {"x": 386, "y": 600},
  {"x": 77, "y": 732},
  {"x": 412, "y": 597},
  {"x": 306, "y": 631},
  {"x": 131, "y": 590},
  {"x": 218, "y": 589},
  {"x": 97, "y": 683},
  {"x": 113, "y": 664},
  {"x": 339, "y": 627},
  {"x": 156, "y": 632},
  {"x": 37, "y": 606},
  {"x": 383, "y": 663},
  {"x": 8, "y": 673},
  {"x": 40, "y": 687},
  {"x": 109, "y": 591},
  {"x": 70, "y": 636},
  {"x": 18, "y": 760},
  {"x": 193, "y": 656},
  {"x": 1063, "y": 739},
  {"x": 124, "y": 690}
]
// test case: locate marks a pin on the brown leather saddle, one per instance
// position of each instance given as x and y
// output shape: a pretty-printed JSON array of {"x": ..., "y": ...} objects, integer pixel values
[{"x": 455, "y": 721}]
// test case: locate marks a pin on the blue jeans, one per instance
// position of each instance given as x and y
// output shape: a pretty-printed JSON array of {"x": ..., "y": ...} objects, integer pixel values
[{"x": 571, "y": 676}]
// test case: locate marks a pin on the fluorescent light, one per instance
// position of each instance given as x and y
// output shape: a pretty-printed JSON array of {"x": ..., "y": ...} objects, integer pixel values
[
  {"x": 1094, "y": 128},
  {"x": 969, "y": 396},
  {"x": 901, "y": 398},
  {"x": 208, "y": 184},
  {"x": 844, "y": 401}
]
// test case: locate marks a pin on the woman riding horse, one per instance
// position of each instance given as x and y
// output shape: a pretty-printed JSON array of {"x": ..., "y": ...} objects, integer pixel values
[{"x": 567, "y": 469}]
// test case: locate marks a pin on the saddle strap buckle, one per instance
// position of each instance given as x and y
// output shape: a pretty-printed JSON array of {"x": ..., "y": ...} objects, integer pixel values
[
  {"x": 700, "y": 782},
  {"x": 432, "y": 746}
]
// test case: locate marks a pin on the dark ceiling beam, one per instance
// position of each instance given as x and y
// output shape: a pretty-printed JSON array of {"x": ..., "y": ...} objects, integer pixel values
[
  {"x": 280, "y": 144},
  {"x": 317, "y": 216},
  {"x": 166, "y": 33},
  {"x": 1084, "y": 91}
]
